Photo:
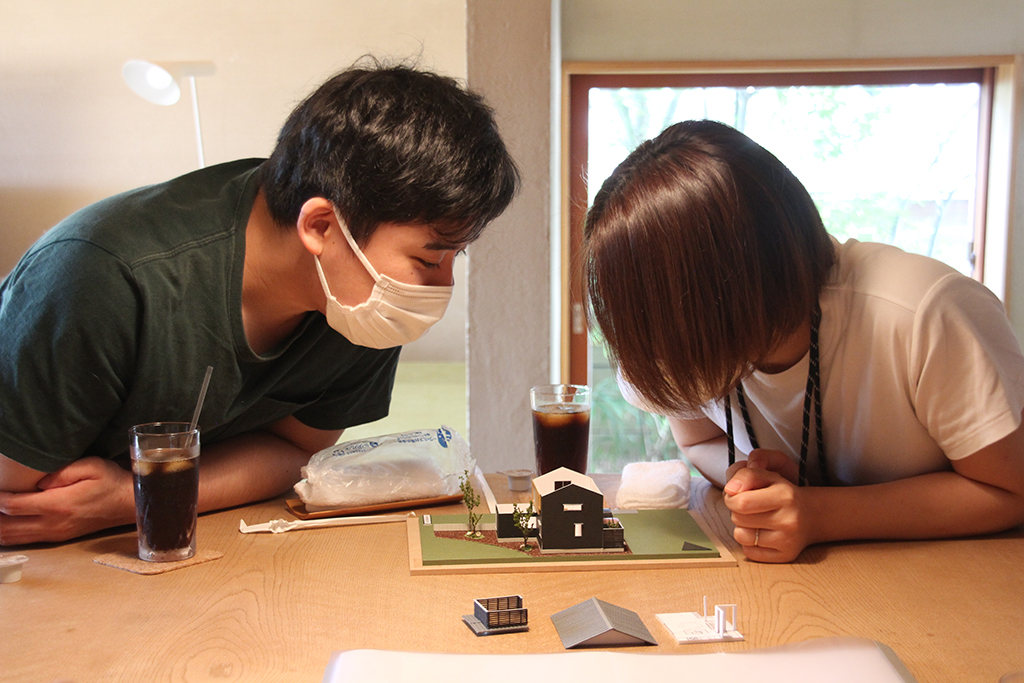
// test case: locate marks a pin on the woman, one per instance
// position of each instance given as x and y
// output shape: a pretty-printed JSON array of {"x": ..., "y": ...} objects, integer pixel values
[{"x": 877, "y": 394}]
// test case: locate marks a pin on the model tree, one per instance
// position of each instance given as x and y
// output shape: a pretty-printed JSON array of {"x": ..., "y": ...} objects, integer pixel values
[
  {"x": 472, "y": 500},
  {"x": 521, "y": 520}
]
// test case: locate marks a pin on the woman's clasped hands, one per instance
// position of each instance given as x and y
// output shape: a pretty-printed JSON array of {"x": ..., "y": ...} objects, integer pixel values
[{"x": 769, "y": 508}]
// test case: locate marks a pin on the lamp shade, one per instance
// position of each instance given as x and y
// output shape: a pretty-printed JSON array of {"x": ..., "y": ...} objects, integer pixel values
[
  {"x": 160, "y": 83},
  {"x": 151, "y": 82}
]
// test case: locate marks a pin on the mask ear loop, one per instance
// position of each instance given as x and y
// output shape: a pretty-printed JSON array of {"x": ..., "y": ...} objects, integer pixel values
[
  {"x": 323, "y": 280},
  {"x": 355, "y": 247},
  {"x": 382, "y": 280}
]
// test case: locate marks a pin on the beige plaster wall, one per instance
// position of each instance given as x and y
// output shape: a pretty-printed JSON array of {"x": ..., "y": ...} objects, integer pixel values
[
  {"x": 510, "y": 57},
  {"x": 71, "y": 131},
  {"x": 788, "y": 29}
]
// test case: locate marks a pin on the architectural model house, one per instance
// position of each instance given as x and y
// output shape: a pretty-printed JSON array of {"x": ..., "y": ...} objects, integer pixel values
[
  {"x": 571, "y": 514},
  {"x": 596, "y": 623}
]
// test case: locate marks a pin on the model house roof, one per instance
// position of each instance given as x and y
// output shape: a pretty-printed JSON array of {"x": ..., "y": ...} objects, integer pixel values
[
  {"x": 596, "y": 623},
  {"x": 546, "y": 483}
]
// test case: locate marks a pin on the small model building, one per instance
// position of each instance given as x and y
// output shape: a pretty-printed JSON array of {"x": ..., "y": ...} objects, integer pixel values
[
  {"x": 692, "y": 627},
  {"x": 504, "y": 614},
  {"x": 596, "y": 623},
  {"x": 505, "y": 526},
  {"x": 571, "y": 515}
]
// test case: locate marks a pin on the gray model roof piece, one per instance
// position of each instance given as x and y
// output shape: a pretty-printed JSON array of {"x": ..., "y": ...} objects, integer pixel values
[{"x": 596, "y": 623}]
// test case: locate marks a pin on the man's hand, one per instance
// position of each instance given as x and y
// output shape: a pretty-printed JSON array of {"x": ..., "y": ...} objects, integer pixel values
[
  {"x": 85, "y": 496},
  {"x": 766, "y": 506}
]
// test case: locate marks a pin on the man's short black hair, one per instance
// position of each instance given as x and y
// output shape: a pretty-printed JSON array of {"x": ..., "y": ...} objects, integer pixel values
[{"x": 392, "y": 144}]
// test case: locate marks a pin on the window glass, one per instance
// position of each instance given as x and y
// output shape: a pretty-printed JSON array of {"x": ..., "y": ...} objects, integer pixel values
[{"x": 888, "y": 163}]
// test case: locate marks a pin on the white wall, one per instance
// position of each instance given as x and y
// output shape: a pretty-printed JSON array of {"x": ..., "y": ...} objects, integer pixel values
[
  {"x": 71, "y": 131},
  {"x": 696, "y": 30}
]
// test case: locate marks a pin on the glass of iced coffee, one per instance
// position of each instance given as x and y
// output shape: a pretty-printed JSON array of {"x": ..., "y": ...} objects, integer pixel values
[
  {"x": 165, "y": 468},
  {"x": 561, "y": 426}
]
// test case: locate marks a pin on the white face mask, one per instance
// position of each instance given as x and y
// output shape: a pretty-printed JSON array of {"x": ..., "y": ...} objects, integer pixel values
[{"x": 396, "y": 313}]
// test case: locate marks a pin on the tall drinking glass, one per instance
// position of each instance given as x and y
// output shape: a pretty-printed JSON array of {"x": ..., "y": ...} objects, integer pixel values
[
  {"x": 561, "y": 426},
  {"x": 165, "y": 468}
]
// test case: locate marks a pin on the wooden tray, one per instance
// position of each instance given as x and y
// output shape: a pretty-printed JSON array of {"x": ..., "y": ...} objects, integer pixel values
[{"x": 298, "y": 508}]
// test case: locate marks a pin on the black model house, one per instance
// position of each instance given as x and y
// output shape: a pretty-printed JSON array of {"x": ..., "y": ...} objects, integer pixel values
[{"x": 570, "y": 514}]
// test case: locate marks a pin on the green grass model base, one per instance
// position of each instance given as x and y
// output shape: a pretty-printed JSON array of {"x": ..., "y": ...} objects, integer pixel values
[{"x": 650, "y": 535}]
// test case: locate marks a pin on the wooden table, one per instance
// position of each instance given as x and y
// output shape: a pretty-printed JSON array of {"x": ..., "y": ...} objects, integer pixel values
[{"x": 276, "y": 605}]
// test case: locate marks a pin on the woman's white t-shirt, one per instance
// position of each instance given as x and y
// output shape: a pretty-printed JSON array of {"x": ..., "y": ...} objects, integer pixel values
[{"x": 919, "y": 366}]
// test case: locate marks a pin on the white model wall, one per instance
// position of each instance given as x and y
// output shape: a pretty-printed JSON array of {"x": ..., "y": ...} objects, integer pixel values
[{"x": 71, "y": 131}]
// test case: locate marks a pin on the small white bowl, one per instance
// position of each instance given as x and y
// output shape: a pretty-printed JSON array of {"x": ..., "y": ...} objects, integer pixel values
[
  {"x": 10, "y": 567},
  {"x": 519, "y": 480}
]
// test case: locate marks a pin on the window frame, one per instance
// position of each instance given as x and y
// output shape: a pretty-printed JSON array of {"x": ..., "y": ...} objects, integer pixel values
[{"x": 1000, "y": 89}]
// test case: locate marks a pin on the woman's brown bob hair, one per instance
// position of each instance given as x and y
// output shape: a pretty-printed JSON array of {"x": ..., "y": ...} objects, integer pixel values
[{"x": 702, "y": 253}]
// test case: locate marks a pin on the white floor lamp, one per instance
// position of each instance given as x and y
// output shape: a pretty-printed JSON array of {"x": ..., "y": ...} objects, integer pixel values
[{"x": 159, "y": 84}]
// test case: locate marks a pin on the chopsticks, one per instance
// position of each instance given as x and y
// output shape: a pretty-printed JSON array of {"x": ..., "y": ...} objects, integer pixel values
[{"x": 277, "y": 526}]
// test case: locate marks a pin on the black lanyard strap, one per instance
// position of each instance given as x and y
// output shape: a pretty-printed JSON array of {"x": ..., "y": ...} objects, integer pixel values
[{"x": 812, "y": 396}]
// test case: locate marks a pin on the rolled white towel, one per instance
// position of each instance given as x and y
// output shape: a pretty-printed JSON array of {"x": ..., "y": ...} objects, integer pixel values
[{"x": 654, "y": 485}]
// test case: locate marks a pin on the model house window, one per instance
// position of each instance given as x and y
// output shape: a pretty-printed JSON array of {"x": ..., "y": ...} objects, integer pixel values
[
  {"x": 888, "y": 154},
  {"x": 572, "y": 507},
  {"x": 578, "y": 529},
  {"x": 561, "y": 484}
]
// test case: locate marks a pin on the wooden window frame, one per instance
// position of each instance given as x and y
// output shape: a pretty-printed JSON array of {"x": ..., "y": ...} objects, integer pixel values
[{"x": 1001, "y": 89}]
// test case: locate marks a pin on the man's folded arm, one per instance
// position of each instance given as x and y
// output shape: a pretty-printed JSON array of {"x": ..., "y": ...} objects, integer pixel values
[{"x": 16, "y": 478}]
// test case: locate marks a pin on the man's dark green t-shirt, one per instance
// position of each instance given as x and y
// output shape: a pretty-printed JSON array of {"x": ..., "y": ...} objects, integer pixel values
[{"x": 112, "y": 317}]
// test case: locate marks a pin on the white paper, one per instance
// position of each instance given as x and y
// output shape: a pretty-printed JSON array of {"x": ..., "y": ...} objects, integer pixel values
[{"x": 837, "y": 660}]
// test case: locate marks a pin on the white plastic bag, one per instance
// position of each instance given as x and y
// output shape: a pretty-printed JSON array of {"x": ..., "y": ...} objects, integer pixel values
[
  {"x": 654, "y": 486},
  {"x": 425, "y": 463}
]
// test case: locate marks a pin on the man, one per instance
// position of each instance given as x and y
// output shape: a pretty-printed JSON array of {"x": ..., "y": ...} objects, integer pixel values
[{"x": 297, "y": 278}]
